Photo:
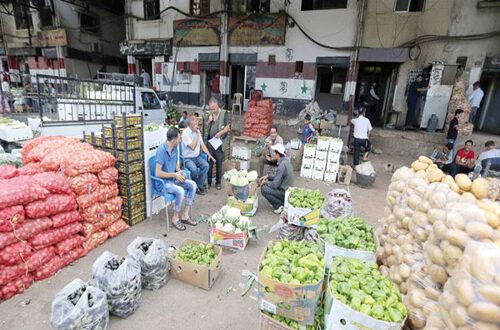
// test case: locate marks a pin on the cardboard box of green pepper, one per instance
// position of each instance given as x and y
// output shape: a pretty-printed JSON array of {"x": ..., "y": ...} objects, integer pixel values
[
  {"x": 197, "y": 263},
  {"x": 290, "y": 279},
  {"x": 303, "y": 206}
]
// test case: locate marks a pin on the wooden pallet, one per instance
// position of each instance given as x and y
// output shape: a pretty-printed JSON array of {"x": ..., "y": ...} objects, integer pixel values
[{"x": 244, "y": 138}]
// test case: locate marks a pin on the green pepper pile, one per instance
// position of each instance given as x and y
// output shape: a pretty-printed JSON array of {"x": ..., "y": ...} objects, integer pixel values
[
  {"x": 294, "y": 262},
  {"x": 350, "y": 233},
  {"x": 363, "y": 288},
  {"x": 319, "y": 319},
  {"x": 305, "y": 198},
  {"x": 200, "y": 254}
]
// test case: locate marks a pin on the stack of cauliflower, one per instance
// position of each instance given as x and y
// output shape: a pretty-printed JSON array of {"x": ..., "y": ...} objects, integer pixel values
[
  {"x": 240, "y": 178},
  {"x": 230, "y": 220}
]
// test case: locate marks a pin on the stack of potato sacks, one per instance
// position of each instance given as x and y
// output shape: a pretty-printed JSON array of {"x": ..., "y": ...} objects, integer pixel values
[
  {"x": 459, "y": 101},
  {"x": 91, "y": 177},
  {"x": 429, "y": 219},
  {"x": 258, "y": 118},
  {"x": 39, "y": 227}
]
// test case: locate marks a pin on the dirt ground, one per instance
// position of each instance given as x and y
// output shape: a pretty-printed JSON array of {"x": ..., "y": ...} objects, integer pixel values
[{"x": 179, "y": 305}]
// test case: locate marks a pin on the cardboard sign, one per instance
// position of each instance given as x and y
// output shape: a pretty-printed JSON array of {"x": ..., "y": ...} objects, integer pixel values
[
  {"x": 220, "y": 237},
  {"x": 194, "y": 274},
  {"x": 294, "y": 301}
]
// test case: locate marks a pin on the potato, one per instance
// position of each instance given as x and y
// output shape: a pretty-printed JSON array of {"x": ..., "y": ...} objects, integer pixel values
[
  {"x": 490, "y": 293},
  {"x": 465, "y": 292},
  {"x": 483, "y": 311},
  {"x": 457, "y": 237},
  {"x": 452, "y": 255},
  {"x": 455, "y": 220},
  {"x": 420, "y": 219},
  {"x": 490, "y": 206},
  {"x": 446, "y": 300},
  {"x": 404, "y": 270},
  {"x": 440, "y": 230},
  {"x": 413, "y": 201},
  {"x": 424, "y": 207},
  {"x": 484, "y": 326},
  {"x": 436, "y": 215},
  {"x": 438, "y": 200},
  {"x": 391, "y": 260},
  {"x": 435, "y": 254},
  {"x": 448, "y": 179},
  {"x": 438, "y": 274},
  {"x": 432, "y": 293},
  {"x": 425, "y": 160},
  {"x": 463, "y": 182},
  {"x": 418, "y": 166},
  {"x": 417, "y": 298},
  {"x": 483, "y": 268},
  {"x": 430, "y": 307},
  {"x": 423, "y": 175},
  {"x": 492, "y": 219},
  {"x": 443, "y": 244},
  {"x": 479, "y": 230},
  {"x": 417, "y": 318},
  {"x": 467, "y": 197},
  {"x": 458, "y": 315},
  {"x": 480, "y": 188},
  {"x": 435, "y": 175}
]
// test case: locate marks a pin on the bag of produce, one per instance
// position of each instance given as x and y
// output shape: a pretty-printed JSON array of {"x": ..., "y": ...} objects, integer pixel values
[
  {"x": 65, "y": 218},
  {"x": 87, "y": 162},
  {"x": 55, "y": 183},
  {"x": 72, "y": 255},
  {"x": 471, "y": 297},
  {"x": 7, "y": 171},
  {"x": 120, "y": 279},
  {"x": 29, "y": 169},
  {"x": 360, "y": 292},
  {"x": 46, "y": 147},
  {"x": 83, "y": 184},
  {"x": 28, "y": 228},
  {"x": 80, "y": 305},
  {"x": 15, "y": 253},
  {"x": 11, "y": 218},
  {"x": 54, "y": 160},
  {"x": 290, "y": 232},
  {"x": 15, "y": 194},
  {"x": 101, "y": 194},
  {"x": 152, "y": 255},
  {"x": 37, "y": 259},
  {"x": 69, "y": 244},
  {"x": 54, "y": 235},
  {"x": 19, "y": 285},
  {"x": 51, "y": 205},
  {"x": 116, "y": 227},
  {"x": 108, "y": 175},
  {"x": 95, "y": 240},
  {"x": 48, "y": 269},
  {"x": 338, "y": 204},
  {"x": 35, "y": 142}
]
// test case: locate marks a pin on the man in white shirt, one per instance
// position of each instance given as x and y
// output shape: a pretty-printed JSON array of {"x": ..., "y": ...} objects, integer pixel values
[
  {"x": 146, "y": 79},
  {"x": 362, "y": 131},
  {"x": 475, "y": 100},
  {"x": 191, "y": 144}
]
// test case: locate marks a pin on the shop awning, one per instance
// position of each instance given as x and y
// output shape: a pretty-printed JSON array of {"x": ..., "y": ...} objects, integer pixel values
[
  {"x": 209, "y": 61},
  {"x": 243, "y": 59},
  {"x": 387, "y": 55},
  {"x": 337, "y": 61}
]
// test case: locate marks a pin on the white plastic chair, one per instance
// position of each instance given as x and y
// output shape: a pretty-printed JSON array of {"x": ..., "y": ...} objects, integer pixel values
[{"x": 237, "y": 101}]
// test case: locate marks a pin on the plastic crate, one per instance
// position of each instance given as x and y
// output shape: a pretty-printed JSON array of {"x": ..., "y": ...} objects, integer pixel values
[
  {"x": 132, "y": 155},
  {"x": 132, "y": 167},
  {"x": 132, "y": 131},
  {"x": 134, "y": 199},
  {"x": 135, "y": 220},
  {"x": 129, "y": 120},
  {"x": 136, "y": 210},
  {"x": 134, "y": 189},
  {"x": 133, "y": 178}
]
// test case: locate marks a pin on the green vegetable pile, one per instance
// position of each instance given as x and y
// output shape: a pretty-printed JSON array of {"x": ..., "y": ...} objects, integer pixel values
[
  {"x": 294, "y": 262},
  {"x": 305, "y": 198},
  {"x": 151, "y": 127},
  {"x": 363, "y": 288},
  {"x": 324, "y": 138},
  {"x": 319, "y": 319},
  {"x": 200, "y": 254},
  {"x": 350, "y": 233}
]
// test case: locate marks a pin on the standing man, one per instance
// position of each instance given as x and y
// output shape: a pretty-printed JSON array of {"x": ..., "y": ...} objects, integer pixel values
[
  {"x": 411, "y": 100},
  {"x": 453, "y": 130},
  {"x": 216, "y": 85},
  {"x": 362, "y": 131},
  {"x": 308, "y": 131},
  {"x": 271, "y": 140},
  {"x": 373, "y": 100},
  {"x": 218, "y": 127},
  {"x": 464, "y": 160},
  {"x": 475, "y": 101},
  {"x": 273, "y": 188},
  {"x": 192, "y": 141},
  {"x": 168, "y": 169},
  {"x": 146, "y": 78}
]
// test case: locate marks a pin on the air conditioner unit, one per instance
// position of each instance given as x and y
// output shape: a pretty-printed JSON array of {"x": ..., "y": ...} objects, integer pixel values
[{"x": 185, "y": 78}]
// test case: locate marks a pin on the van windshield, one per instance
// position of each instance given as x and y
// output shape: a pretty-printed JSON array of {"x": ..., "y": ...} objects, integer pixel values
[{"x": 150, "y": 101}]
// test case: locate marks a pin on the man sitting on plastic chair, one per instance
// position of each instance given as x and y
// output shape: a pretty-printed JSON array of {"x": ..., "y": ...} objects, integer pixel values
[{"x": 167, "y": 168}]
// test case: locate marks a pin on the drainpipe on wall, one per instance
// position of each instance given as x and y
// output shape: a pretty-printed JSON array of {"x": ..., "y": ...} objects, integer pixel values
[{"x": 224, "y": 81}]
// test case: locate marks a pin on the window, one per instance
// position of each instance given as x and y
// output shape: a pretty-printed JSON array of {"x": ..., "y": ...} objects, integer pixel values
[
  {"x": 199, "y": 7},
  {"x": 151, "y": 9},
  {"x": 323, "y": 4},
  {"x": 299, "y": 66},
  {"x": 89, "y": 23},
  {"x": 258, "y": 6},
  {"x": 22, "y": 16},
  {"x": 271, "y": 59},
  {"x": 409, "y": 5},
  {"x": 45, "y": 15},
  {"x": 150, "y": 101}
]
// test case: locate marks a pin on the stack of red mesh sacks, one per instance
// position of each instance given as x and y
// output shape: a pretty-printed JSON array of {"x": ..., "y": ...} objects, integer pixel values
[
  {"x": 91, "y": 177},
  {"x": 39, "y": 223},
  {"x": 258, "y": 118}
]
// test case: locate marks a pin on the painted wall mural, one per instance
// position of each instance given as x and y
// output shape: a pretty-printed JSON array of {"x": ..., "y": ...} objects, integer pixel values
[
  {"x": 257, "y": 30},
  {"x": 197, "y": 32}
]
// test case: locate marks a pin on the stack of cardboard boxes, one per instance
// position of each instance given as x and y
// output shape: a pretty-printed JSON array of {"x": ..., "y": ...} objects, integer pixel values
[{"x": 321, "y": 160}]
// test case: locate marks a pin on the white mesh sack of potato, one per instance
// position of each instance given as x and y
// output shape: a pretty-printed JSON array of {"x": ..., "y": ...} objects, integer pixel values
[
  {"x": 471, "y": 297},
  {"x": 421, "y": 301},
  {"x": 435, "y": 322}
]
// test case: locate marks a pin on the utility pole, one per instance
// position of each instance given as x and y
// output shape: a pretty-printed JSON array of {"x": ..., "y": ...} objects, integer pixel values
[{"x": 225, "y": 83}]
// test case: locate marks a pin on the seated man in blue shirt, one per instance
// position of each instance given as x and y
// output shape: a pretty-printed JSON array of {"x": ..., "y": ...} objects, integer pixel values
[{"x": 167, "y": 168}]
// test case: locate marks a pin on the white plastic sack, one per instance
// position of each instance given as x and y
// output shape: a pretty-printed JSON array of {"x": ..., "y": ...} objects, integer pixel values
[
  {"x": 80, "y": 305},
  {"x": 365, "y": 168},
  {"x": 152, "y": 255},
  {"x": 338, "y": 204},
  {"x": 120, "y": 279}
]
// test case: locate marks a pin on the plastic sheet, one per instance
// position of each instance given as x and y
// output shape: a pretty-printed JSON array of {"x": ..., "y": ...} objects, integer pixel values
[
  {"x": 80, "y": 305},
  {"x": 152, "y": 256},
  {"x": 120, "y": 279},
  {"x": 338, "y": 204}
]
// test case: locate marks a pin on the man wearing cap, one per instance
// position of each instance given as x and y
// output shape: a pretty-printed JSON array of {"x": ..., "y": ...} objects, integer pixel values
[{"x": 273, "y": 188}]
